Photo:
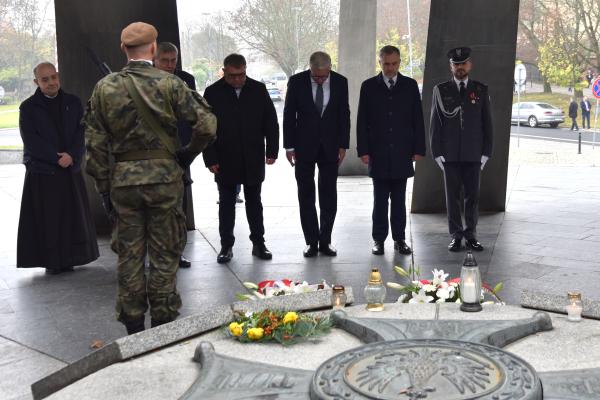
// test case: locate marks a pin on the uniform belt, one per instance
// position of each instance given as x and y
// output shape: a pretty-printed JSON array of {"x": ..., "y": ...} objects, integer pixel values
[{"x": 137, "y": 155}]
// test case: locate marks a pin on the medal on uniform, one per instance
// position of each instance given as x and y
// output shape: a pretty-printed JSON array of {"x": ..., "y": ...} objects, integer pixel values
[{"x": 472, "y": 101}]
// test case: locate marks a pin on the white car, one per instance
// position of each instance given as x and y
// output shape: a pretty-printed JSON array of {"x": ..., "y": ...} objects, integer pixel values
[{"x": 535, "y": 113}]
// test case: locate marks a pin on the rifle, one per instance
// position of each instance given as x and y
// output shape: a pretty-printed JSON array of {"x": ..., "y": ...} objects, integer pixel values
[{"x": 102, "y": 66}]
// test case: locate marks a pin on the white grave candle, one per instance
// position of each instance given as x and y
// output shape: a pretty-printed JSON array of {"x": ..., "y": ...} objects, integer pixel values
[{"x": 469, "y": 291}]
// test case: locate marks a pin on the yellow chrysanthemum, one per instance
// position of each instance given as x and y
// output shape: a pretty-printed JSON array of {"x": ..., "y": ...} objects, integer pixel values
[
  {"x": 236, "y": 329},
  {"x": 255, "y": 333},
  {"x": 290, "y": 317}
]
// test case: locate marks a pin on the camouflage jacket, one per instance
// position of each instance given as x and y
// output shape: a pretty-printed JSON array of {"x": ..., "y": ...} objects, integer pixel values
[{"x": 112, "y": 125}]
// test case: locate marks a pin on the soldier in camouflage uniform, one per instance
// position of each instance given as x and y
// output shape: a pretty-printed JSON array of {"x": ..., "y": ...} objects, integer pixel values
[{"x": 145, "y": 183}]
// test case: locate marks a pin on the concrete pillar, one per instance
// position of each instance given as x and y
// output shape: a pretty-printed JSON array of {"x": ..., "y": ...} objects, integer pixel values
[
  {"x": 489, "y": 27},
  {"x": 97, "y": 24},
  {"x": 356, "y": 61}
]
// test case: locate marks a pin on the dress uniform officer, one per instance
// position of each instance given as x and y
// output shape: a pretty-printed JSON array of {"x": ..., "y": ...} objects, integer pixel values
[
  {"x": 461, "y": 144},
  {"x": 132, "y": 115}
]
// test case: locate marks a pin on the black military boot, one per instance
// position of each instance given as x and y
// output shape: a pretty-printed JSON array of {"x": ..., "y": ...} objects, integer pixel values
[
  {"x": 135, "y": 325},
  {"x": 156, "y": 322}
]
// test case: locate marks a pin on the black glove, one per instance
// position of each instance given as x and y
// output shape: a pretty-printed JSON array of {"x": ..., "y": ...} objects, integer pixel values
[
  {"x": 185, "y": 158},
  {"x": 107, "y": 204}
]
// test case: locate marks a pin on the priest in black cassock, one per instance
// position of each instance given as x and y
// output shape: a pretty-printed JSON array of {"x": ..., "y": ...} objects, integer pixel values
[{"x": 56, "y": 229}]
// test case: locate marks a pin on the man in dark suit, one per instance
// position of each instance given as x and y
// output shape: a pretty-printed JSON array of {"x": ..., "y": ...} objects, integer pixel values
[
  {"x": 390, "y": 135},
  {"x": 586, "y": 108},
  {"x": 246, "y": 117},
  {"x": 166, "y": 60},
  {"x": 316, "y": 131},
  {"x": 461, "y": 144},
  {"x": 573, "y": 114}
]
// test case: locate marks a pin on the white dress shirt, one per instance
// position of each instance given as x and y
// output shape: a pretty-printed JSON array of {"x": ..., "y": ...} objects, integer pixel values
[
  {"x": 387, "y": 80},
  {"x": 466, "y": 81}
]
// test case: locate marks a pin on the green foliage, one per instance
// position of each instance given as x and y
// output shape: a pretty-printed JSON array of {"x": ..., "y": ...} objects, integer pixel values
[
  {"x": 9, "y": 78},
  {"x": 558, "y": 66},
  {"x": 393, "y": 38},
  {"x": 9, "y": 116},
  {"x": 277, "y": 326},
  {"x": 201, "y": 71}
]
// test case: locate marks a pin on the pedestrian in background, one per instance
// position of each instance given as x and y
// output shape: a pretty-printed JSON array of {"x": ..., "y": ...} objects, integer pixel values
[
  {"x": 586, "y": 108},
  {"x": 573, "y": 114}
]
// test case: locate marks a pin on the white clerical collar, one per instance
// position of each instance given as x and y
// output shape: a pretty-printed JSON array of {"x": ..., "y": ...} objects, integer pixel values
[{"x": 50, "y": 97}]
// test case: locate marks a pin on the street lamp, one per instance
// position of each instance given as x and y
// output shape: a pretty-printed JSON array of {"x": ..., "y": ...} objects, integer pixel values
[
  {"x": 297, "y": 9},
  {"x": 410, "y": 60}
]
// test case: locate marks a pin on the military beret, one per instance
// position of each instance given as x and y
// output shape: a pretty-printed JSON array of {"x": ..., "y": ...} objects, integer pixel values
[
  {"x": 459, "y": 55},
  {"x": 138, "y": 33}
]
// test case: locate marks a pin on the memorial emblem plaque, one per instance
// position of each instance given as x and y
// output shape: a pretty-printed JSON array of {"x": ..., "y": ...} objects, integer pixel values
[{"x": 426, "y": 369}]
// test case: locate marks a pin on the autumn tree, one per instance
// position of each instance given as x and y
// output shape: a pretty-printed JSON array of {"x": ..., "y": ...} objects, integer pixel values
[{"x": 288, "y": 31}]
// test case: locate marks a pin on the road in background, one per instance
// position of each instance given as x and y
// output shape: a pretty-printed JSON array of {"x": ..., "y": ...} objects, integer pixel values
[{"x": 556, "y": 134}]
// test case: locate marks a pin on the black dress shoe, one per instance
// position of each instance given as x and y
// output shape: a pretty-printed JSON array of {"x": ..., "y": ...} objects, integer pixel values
[
  {"x": 184, "y": 262},
  {"x": 474, "y": 245},
  {"x": 401, "y": 247},
  {"x": 377, "y": 248},
  {"x": 311, "y": 250},
  {"x": 328, "y": 250},
  {"x": 260, "y": 250},
  {"x": 225, "y": 255},
  {"x": 454, "y": 245}
]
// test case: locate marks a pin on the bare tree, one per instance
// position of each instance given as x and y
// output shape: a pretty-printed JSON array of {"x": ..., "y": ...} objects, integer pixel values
[{"x": 286, "y": 30}]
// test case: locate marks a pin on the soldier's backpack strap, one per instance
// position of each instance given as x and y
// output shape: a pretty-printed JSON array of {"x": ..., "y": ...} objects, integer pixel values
[{"x": 148, "y": 117}]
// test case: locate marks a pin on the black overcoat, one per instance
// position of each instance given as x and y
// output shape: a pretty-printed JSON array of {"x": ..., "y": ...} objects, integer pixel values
[
  {"x": 244, "y": 124},
  {"x": 305, "y": 130},
  {"x": 41, "y": 136},
  {"x": 56, "y": 230},
  {"x": 390, "y": 126},
  {"x": 466, "y": 136}
]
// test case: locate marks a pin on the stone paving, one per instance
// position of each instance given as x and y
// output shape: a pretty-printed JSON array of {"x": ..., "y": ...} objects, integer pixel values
[{"x": 549, "y": 238}]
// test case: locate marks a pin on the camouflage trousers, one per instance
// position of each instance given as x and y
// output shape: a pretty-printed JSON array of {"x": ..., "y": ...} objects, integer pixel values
[{"x": 149, "y": 221}]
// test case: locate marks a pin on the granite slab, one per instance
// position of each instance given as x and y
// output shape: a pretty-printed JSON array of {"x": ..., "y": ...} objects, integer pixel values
[
  {"x": 132, "y": 346},
  {"x": 556, "y": 302},
  {"x": 296, "y": 302}
]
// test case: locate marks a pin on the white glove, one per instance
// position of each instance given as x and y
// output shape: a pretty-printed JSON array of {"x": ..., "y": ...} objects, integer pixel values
[
  {"x": 440, "y": 161},
  {"x": 483, "y": 161}
]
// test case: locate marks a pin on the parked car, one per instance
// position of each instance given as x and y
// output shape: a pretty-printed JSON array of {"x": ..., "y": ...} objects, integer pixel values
[
  {"x": 534, "y": 113},
  {"x": 274, "y": 93}
]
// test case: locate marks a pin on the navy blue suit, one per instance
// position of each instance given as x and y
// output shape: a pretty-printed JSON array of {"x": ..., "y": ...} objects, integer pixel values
[
  {"x": 390, "y": 131},
  {"x": 316, "y": 140}
]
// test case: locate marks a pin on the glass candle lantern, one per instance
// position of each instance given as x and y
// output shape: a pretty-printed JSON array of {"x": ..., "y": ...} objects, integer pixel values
[
  {"x": 470, "y": 285},
  {"x": 574, "y": 306},
  {"x": 338, "y": 297},
  {"x": 375, "y": 291}
]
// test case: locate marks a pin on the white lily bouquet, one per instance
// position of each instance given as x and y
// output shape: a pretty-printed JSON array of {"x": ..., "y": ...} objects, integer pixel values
[{"x": 435, "y": 290}]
